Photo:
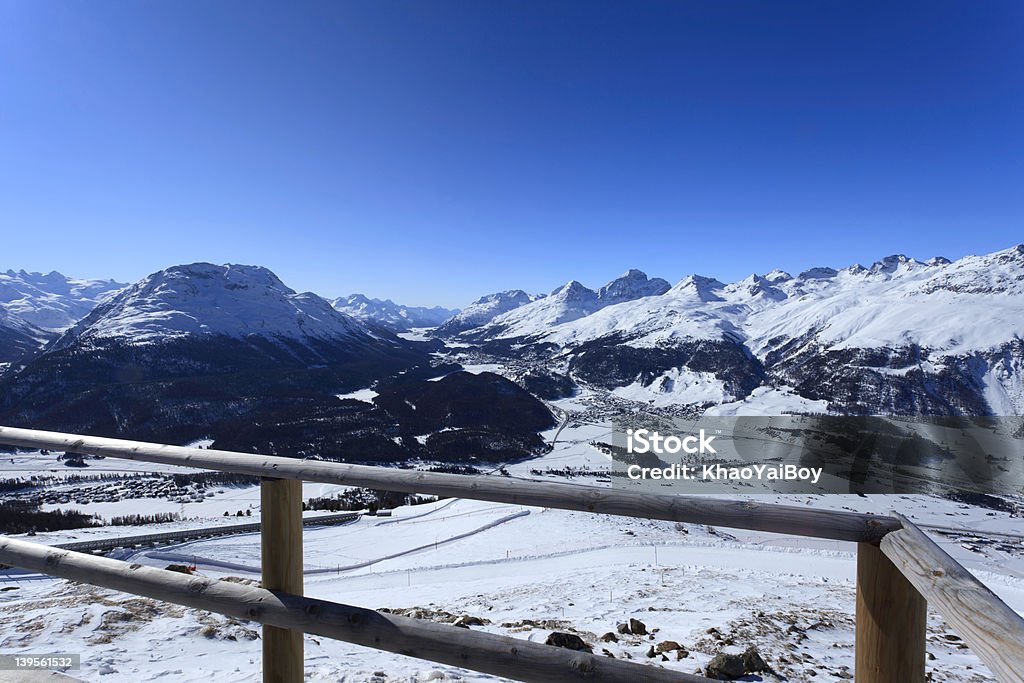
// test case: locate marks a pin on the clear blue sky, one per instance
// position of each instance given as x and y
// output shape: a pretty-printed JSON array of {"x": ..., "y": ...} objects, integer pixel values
[{"x": 432, "y": 151}]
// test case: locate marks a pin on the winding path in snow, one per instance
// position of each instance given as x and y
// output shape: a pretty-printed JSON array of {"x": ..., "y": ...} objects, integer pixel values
[{"x": 221, "y": 564}]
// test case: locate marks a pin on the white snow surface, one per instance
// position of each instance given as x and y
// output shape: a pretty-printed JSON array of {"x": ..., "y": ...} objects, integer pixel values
[
  {"x": 364, "y": 395},
  {"x": 770, "y": 401},
  {"x": 488, "y": 307},
  {"x": 582, "y": 573},
  {"x": 507, "y": 564},
  {"x": 678, "y": 385},
  {"x": 208, "y": 299},
  {"x": 52, "y": 302},
  {"x": 973, "y": 304},
  {"x": 573, "y": 301},
  {"x": 387, "y": 312}
]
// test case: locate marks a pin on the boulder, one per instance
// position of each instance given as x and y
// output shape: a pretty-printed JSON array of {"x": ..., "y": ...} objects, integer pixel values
[
  {"x": 753, "y": 662},
  {"x": 466, "y": 620},
  {"x": 725, "y": 667},
  {"x": 567, "y": 640}
]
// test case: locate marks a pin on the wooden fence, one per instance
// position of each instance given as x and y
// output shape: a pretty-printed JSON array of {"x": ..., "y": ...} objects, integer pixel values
[{"x": 899, "y": 571}]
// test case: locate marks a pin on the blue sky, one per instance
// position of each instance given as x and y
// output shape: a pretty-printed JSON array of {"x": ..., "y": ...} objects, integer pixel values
[{"x": 432, "y": 151}]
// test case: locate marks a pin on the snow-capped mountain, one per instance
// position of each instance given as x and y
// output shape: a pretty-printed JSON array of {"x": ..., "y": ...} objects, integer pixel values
[
  {"x": 485, "y": 309},
  {"x": 633, "y": 284},
  {"x": 52, "y": 302},
  {"x": 570, "y": 302},
  {"x": 391, "y": 315},
  {"x": 232, "y": 354},
  {"x": 18, "y": 338},
  {"x": 901, "y": 336},
  {"x": 203, "y": 300},
  {"x": 196, "y": 347}
]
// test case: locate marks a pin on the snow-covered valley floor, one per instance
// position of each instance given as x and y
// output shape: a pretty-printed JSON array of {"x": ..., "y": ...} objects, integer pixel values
[{"x": 523, "y": 572}]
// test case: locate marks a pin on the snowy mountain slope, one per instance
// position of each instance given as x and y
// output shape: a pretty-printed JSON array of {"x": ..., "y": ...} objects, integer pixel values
[
  {"x": 572, "y": 301},
  {"x": 974, "y": 304},
  {"x": 393, "y": 316},
  {"x": 52, "y": 302},
  {"x": 569, "y": 302},
  {"x": 979, "y": 300},
  {"x": 900, "y": 336},
  {"x": 903, "y": 336},
  {"x": 633, "y": 284},
  {"x": 232, "y": 354},
  {"x": 201, "y": 349},
  {"x": 485, "y": 309},
  {"x": 682, "y": 312},
  {"x": 19, "y": 339},
  {"x": 202, "y": 299}
]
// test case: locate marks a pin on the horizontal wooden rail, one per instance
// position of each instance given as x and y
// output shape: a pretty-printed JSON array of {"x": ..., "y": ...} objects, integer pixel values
[
  {"x": 993, "y": 630},
  {"x": 484, "y": 652},
  {"x": 783, "y": 519}
]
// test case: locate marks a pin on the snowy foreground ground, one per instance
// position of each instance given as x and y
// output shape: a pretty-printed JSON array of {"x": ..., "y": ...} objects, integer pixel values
[{"x": 523, "y": 571}]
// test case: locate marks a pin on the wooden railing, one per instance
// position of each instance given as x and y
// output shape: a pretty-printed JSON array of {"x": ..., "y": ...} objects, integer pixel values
[{"x": 899, "y": 570}]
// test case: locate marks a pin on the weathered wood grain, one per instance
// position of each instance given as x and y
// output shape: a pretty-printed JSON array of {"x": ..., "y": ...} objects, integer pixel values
[
  {"x": 891, "y": 621},
  {"x": 281, "y": 564},
  {"x": 992, "y": 629}
]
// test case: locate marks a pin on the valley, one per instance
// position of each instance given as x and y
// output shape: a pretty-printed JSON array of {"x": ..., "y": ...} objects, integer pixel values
[{"x": 515, "y": 385}]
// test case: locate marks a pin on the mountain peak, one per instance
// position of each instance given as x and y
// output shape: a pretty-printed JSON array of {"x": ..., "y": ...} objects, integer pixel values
[
  {"x": 228, "y": 274},
  {"x": 200, "y": 299},
  {"x": 890, "y": 264},
  {"x": 572, "y": 290},
  {"x": 703, "y": 287},
  {"x": 778, "y": 275},
  {"x": 633, "y": 284},
  {"x": 1015, "y": 253},
  {"x": 818, "y": 273},
  {"x": 507, "y": 295},
  {"x": 757, "y": 286},
  {"x": 391, "y": 315},
  {"x": 484, "y": 310}
]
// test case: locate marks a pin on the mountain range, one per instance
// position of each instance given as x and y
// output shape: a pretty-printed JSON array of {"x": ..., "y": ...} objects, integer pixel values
[
  {"x": 52, "y": 302},
  {"x": 485, "y": 309},
  {"x": 230, "y": 351},
  {"x": 35, "y": 308},
  {"x": 898, "y": 337},
  {"x": 391, "y": 315}
]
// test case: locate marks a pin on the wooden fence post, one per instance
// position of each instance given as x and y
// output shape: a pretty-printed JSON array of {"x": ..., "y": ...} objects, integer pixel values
[
  {"x": 891, "y": 620},
  {"x": 281, "y": 560}
]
